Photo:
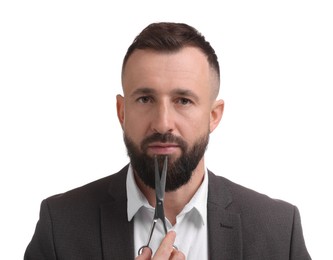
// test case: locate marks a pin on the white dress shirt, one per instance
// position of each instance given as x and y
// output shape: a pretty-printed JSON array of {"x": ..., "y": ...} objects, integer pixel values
[{"x": 190, "y": 227}]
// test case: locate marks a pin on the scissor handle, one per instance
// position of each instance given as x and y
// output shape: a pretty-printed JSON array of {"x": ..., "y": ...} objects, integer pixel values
[{"x": 143, "y": 247}]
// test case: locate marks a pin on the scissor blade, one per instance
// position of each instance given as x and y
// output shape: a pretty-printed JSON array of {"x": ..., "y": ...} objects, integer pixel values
[
  {"x": 157, "y": 178},
  {"x": 160, "y": 190},
  {"x": 160, "y": 180},
  {"x": 163, "y": 177}
]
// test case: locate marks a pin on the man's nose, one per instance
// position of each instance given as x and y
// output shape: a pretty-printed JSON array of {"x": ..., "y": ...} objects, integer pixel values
[{"x": 163, "y": 119}]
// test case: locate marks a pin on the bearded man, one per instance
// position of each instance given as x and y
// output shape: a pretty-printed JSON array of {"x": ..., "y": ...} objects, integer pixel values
[{"x": 169, "y": 107}]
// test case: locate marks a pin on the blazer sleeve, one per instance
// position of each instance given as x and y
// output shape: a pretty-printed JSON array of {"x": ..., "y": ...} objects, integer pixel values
[
  {"x": 41, "y": 246},
  {"x": 298, "y": 248}
]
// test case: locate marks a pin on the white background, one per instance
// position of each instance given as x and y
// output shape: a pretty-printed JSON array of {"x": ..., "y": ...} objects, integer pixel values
[{"x": 60, "y": 71}]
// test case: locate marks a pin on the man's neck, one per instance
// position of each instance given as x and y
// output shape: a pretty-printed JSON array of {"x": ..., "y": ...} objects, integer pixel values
[{"x": 175, "y": 201}]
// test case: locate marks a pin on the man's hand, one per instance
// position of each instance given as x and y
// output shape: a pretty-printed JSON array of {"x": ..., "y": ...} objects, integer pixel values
[{"x": 165, "y": 251}]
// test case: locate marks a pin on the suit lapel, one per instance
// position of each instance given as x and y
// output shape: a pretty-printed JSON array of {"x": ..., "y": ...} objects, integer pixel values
[
  {"x": 224, "y": 227},
  {"x": 117, "y": 232}
]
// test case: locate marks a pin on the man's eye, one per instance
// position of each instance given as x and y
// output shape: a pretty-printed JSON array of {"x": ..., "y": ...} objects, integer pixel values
[
  {"x": 184, "y": 101},
  {"x": 144, "y": 99}
]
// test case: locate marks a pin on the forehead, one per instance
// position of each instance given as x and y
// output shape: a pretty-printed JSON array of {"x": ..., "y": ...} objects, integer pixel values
[{"x": 183, "y": 68}]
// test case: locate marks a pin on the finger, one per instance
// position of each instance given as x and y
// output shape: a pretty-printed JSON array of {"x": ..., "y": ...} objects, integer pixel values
[
  {"x": 145, "y": 254},
  {"x": 177, "y": 255},
  {"x": 165, "y": 249}
]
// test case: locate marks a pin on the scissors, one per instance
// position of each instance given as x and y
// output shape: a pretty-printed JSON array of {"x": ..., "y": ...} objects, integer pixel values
[{"x": 159, "y": 207}]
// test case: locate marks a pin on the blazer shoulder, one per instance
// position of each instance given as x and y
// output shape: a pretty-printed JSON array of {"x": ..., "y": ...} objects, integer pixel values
[
  {"x": 243, "y": 199},
  {"x": 271, "y": 224},
  {"x": 97, "y": 191}
]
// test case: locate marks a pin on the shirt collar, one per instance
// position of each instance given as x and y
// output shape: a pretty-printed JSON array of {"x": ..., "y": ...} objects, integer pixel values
[
  {"x": 199, "y": 200},
  {"x": 136, "y": 199}
]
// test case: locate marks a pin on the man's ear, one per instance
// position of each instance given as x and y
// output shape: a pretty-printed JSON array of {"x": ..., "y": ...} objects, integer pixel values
[
  {"x": 216, "y": 114},
  {"x": 120, "y": 109}
]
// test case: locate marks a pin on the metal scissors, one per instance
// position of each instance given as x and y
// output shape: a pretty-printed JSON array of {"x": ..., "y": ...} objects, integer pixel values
[{"x": 159, "y": 207}]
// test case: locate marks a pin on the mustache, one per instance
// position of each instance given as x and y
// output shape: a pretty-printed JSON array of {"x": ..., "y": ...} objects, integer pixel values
[{"x": 163, "y": 138}]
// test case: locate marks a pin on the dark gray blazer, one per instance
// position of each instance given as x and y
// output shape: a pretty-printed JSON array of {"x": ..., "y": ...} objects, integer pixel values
[{"x": 90, "y": 222}]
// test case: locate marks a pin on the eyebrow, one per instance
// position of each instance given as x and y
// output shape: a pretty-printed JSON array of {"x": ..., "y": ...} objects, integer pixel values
[
  {"x": 186, "y": 93},
  {"x": 144, "y": 91}
]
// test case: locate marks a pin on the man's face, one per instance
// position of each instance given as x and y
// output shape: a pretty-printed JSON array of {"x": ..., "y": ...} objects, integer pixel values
[{"x": 167, "y": 109}]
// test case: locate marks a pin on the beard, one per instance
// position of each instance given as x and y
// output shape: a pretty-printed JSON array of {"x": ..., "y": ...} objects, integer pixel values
[{"x": 179, "y": 170}]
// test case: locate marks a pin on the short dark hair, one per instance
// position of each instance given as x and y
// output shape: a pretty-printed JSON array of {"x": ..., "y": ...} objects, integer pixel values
[{"x": 171, "y": 37}]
